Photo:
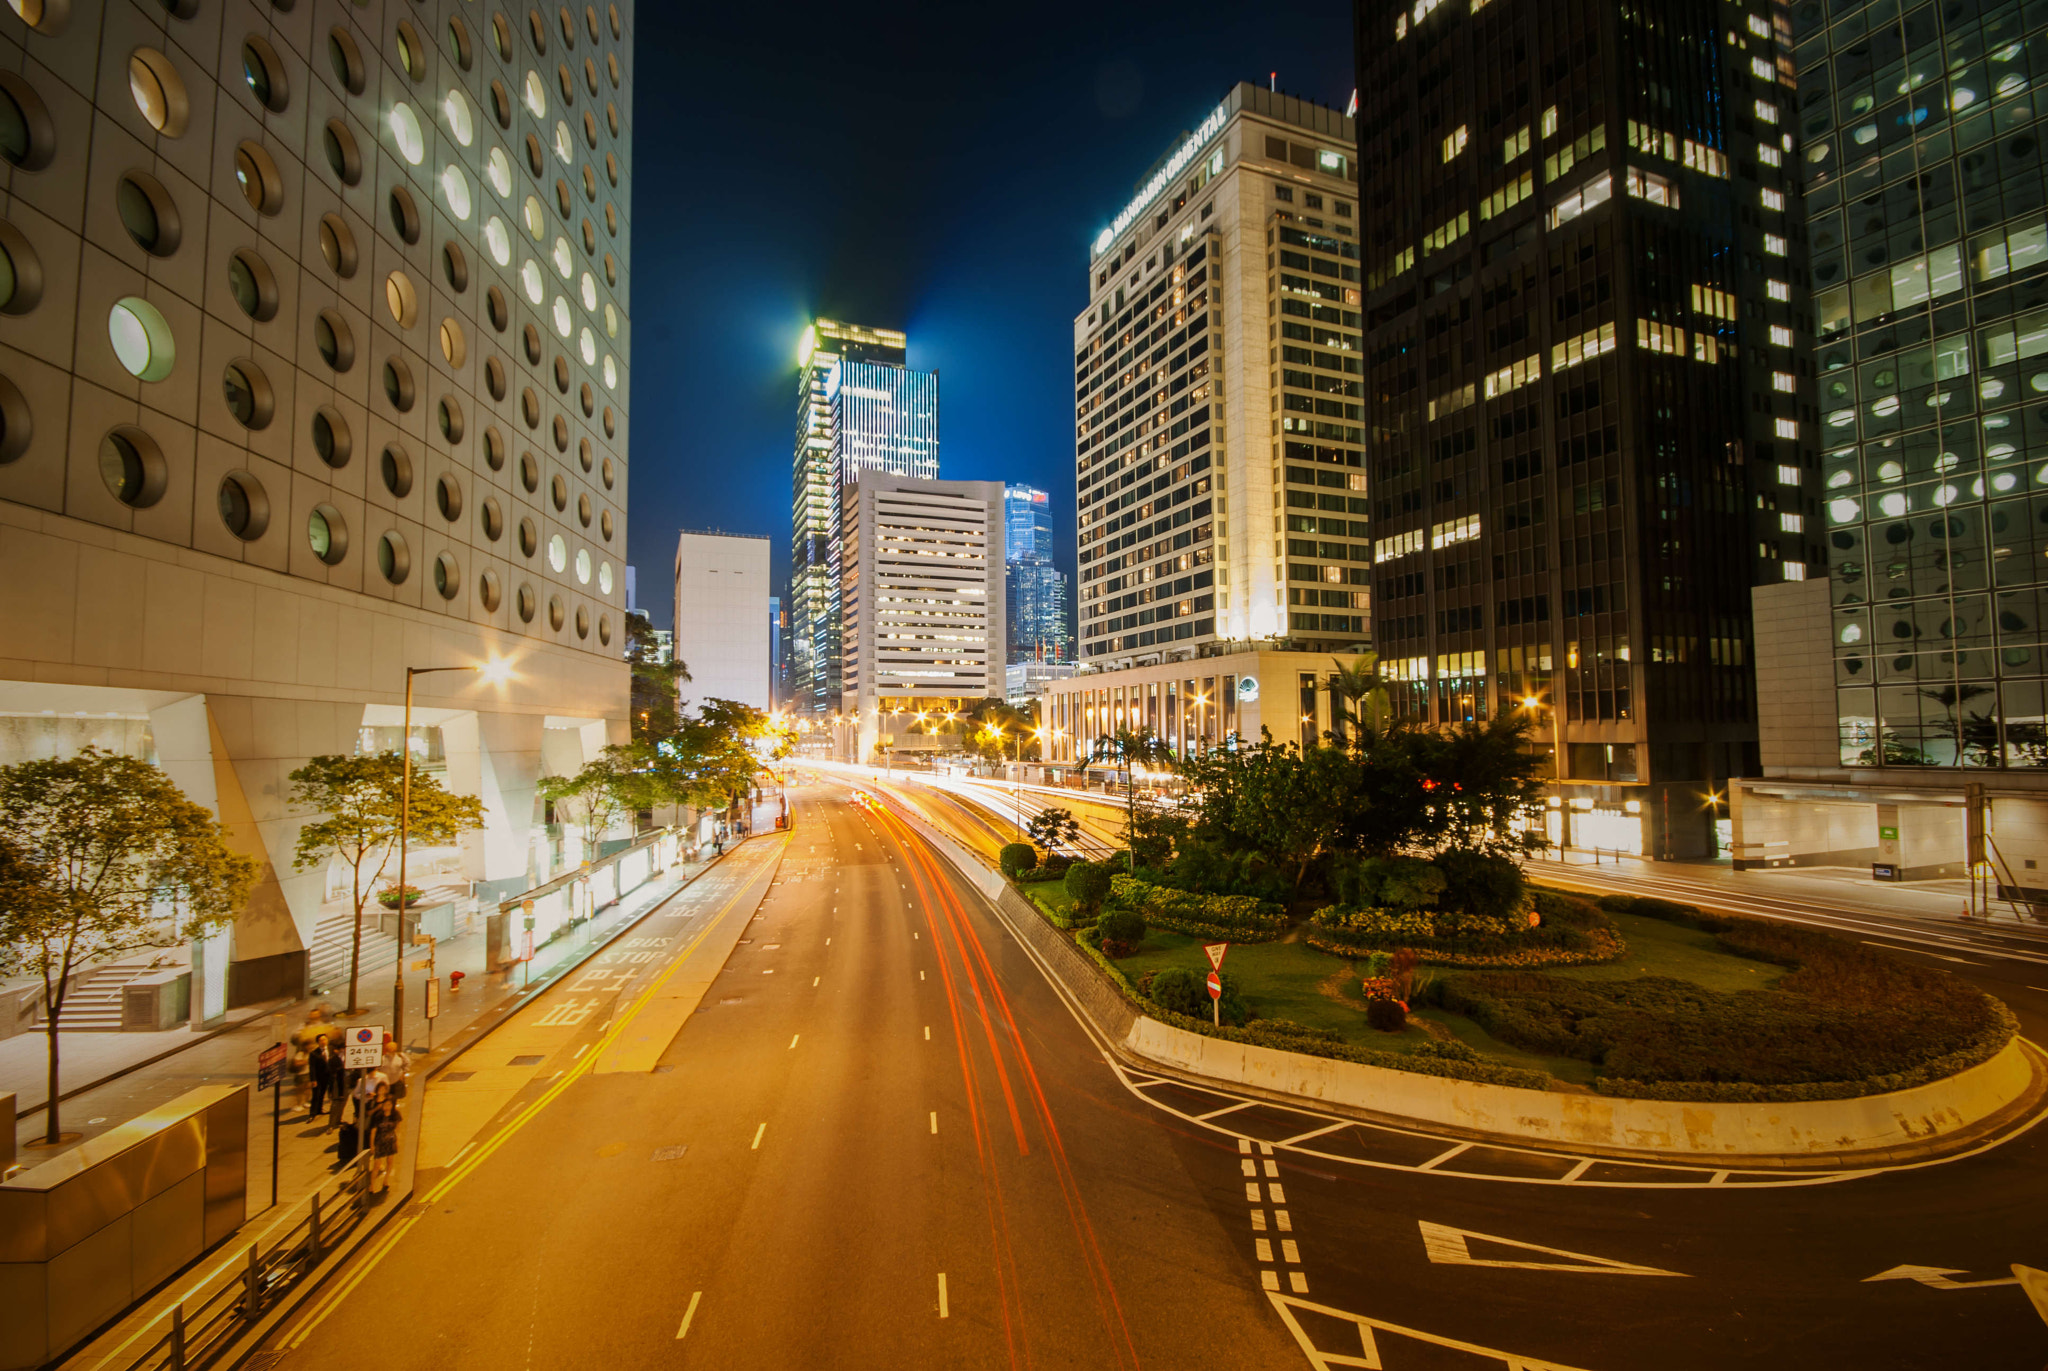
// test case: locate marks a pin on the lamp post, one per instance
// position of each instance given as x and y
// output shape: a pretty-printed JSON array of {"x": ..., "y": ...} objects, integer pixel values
[
  {"x": 496, "y": 671},
  {"x": 1532, "y": 703}
]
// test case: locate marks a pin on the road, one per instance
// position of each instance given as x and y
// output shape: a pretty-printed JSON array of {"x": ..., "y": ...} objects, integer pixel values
[{"x": 785, "y": 1182}]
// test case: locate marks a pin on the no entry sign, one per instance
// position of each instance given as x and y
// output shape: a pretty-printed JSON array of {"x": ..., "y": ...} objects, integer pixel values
[{"x": 1215, "y": 986}]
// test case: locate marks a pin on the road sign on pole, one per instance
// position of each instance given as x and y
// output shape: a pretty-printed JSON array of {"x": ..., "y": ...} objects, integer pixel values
[
  {"x": 270, "y": 1066},
  {"x": 1215, "y": 986},
  {"x": 270, "y": 1072},
  {"x": 1215, "y": 951},
  {"x": 363, "y": 1046}
]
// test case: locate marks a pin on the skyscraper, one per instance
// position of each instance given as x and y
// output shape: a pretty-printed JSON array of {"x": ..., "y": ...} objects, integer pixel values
[
  {"x": 1928, "y": 233},
  {"x": 1586, "y": 404},
  {"x": 308, "y": 371},
  {"x": 1186, "y": 417},
  {"x": 1035, "y": 588},
  {"x": 859, "y": 408}
]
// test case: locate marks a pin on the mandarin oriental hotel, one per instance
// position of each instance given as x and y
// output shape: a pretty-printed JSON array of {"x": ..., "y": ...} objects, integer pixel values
[{"x": 314, "y": 366}]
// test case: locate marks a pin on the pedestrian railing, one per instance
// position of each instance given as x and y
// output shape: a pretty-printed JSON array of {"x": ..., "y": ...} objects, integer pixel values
[{"x": 199, "y": 1330}]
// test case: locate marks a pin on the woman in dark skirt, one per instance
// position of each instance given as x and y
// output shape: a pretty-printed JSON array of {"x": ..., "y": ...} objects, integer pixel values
[{"x": 384, "y": 1118}]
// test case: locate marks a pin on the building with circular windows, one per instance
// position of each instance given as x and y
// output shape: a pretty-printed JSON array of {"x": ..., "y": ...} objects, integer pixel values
[{"x": 276, "y": 293}]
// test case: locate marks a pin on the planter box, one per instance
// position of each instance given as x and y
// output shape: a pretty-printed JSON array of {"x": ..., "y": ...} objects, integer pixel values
[{"x": 435, "y": 921}]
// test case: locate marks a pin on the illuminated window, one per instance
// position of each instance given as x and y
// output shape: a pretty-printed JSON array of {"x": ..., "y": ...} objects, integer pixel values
[
  {"x": 1455, "y": 142},
  {"x": 1788, "y": 428},
  {"x": 1583, "y": 348},
  {"x": 1701, "y": 158},
  {"x": 1652, "y": 336},
  {"x": 1711, "y": 300},
  {"x": 1781, "y": 337},
  {"x": 1778, "y": 290},
  {"x": 1772, "y": 200},
  {"x": 1794, "y": 571},
  {"x": 1594, "y": 193},
  {"x": 1774, "y": 244},
  {"x": 1511, "y": 194},
  {"x": 1550, "y": 122},
  {"x": 1647, "y": 185},
  {"x": 1441, "y": 237},
  {"x": 1788, "y": 476},
  {"x": 1792, "y": 523},
  {"x": 1782, "y": 380},
  {"x": 1515, "y": 376},
  {"x": 1767, "y": 111},
  {"x": 1516, "y": 144},
  {"x": 1769, "y": 155},
  {"x": 1759, "y": 26},
  {"x": 1762, "y": 70},
  {"x": 1462, "y": 529}
]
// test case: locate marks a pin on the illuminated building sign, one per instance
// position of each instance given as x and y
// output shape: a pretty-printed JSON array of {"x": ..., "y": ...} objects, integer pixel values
[{"x": 1164, "y": 177}]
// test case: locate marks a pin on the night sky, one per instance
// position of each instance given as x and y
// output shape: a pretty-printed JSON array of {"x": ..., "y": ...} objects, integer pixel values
[{"x": 938, "y": 168}]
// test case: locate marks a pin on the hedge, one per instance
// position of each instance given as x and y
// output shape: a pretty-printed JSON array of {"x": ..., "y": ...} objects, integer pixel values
[
  {"x": 1846, "y": 1021},
  {"x": 1573, "y": 933},
  {"x": 1239, "y": 918},
  {"x": 1453, "y": 1061}
]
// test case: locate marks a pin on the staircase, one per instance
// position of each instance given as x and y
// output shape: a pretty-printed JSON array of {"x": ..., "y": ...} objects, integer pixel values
[
  {"x": 95, "y": 1007},
  {"x": 327, "y": 962}
]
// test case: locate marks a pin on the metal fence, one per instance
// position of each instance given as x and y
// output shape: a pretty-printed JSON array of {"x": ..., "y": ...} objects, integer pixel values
[{"x": 201, "y": 1329}]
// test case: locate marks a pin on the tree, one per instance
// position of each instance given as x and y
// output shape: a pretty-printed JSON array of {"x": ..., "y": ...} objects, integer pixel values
[
  {"x": 656, "y": 713},
  {"x": 1053, "y": 829},
  {"x": 618, "y": 782},
  {"x": 1130, "y": 749},
  {"x": 101, "y": 855},
  {"x": 1361, "y": 711},
  {"x": 716, "y": 755},
  {"x": 360, "y": 797}
]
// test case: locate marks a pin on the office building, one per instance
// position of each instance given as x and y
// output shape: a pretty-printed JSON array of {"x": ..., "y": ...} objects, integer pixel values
[
  {"x": 859, "y": 408},
  {"x": 923, "y": 605},
  {"x": 1036, "y": 589},
  {"x": 1929, "y": 253},
  {"x": 310, "y": 373},
  {"x": 1024, "y": 681},
  {"x": 778, "y": 632},
  {"x": 1227, "y": 695},
  {"x": 722, "y": 621},
  {"x": 1587, "y": 404}
]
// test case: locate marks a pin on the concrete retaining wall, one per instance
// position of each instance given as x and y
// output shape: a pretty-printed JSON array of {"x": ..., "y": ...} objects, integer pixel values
[{"x": 1868, "y": 1130}]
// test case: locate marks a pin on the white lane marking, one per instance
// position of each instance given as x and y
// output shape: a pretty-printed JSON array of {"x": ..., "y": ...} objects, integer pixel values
[
  {"x": 1298, "y": 1282},
  {"x": 1251, "y": 1168},
  {"x": 920, "y": 975},
  {"x": 913, "y": 934},
  {"x": 1244, "y": 1145},
  {"x": 1434, "y": 1162},
  {"x": 816, "y": 979},
  {"x": 1258, "y": 1221},
  {"x": 1937, "y": 1277},
  {"x": 1313, "y": 1132},
  {"x": 1448, "y": 1247},
  {"x": 1269, "y": 1280},
  {"x": 756, "y": 1145},
  {"x": 927, "y": 1032},
  {"x": 1290, "y": 1251},
  {"x": 580, "y": 1051},
  {"x": 1921, "y": 951},
  {"x": 1276, "y": 1194},
  {"x": 935, "y": 1121},
  {"x": 689, "y": 1314},
  {"x": 828, "y": 942},
  {"x": 1272, "y": 1169},
  {"x": 793, "y": 1037},
  {"x": 1218, "y": 1113},
  {"x": 1251, "y": 1192},
  {"x": 1264, "y": 1247},
  {"x": 1578, "y": 1170},
  {"x": 944, "y": 1310},
  {"x": 1718, "y": 1178},
  {"x": 1283, "y": 1221}
]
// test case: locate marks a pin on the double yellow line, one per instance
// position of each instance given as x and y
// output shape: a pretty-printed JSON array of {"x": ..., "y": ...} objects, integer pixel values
[{"x": 460, "y": 1171}]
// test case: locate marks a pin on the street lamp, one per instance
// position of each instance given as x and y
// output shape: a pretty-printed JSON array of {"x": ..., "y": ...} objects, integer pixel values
[{"x": 497, "y": 671}]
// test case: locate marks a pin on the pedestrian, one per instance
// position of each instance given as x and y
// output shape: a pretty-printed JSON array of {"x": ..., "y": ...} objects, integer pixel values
[
  {"x": 337, "y": 1095},
  {"x": 395, "y": 1067},
  {"x": 384, "y": 1115},
  {"x": 324, "y": 1069},
  {"x": 309, "y": 1033}
]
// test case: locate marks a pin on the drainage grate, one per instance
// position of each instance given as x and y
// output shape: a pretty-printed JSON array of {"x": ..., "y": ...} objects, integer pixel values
[
  {"x": 454, "y": 1077},
  {"x": 528, "y": 1061},
  {"x": 669, "y": 1154}
]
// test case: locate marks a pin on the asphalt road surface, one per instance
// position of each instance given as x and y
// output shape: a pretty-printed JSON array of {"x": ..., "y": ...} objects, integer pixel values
[{"x": 883, "y": 1140}]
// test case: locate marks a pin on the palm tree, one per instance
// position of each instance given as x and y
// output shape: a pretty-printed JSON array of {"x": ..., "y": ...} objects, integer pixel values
[
  {"x": 1360, "y": 708},
  {"x": 1130, "y": 749}
]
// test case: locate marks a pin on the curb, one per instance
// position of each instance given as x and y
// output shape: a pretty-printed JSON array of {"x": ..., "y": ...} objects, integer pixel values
[{"x": 2009, "y": 1119}]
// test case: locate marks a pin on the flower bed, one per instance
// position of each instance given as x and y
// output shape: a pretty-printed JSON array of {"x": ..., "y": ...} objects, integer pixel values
[
  {"x": 1571, "y": 933},
  {"x": 1846, "y": 1021},
  {"x": 1237, "y": 918}
]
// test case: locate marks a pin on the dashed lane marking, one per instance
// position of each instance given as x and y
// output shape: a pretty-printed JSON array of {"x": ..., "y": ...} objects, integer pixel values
[
  {"x": 935, "y": 1121},
  {"x": 944, "y": 1310},
  {"x": 792, "y": 1039},
  {"x": 689, "y": 1314},
  {"x": 755, "y": 1146}
]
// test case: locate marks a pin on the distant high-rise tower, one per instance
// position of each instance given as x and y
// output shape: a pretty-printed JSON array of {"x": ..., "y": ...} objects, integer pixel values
[
  {"x": 859, "y": 408},
  {"x": 1035, "y": 587}
]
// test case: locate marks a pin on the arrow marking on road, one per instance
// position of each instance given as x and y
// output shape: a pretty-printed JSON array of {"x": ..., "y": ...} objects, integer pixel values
[
  {"x": 1448, "y": 1247},
  {"x": 1937, "y": 1277}
]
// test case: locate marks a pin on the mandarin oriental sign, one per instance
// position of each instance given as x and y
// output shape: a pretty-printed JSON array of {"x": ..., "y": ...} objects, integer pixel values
[{"x": 1162, "y": 178}]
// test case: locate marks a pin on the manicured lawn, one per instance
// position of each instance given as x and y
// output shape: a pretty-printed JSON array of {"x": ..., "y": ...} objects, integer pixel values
[
  {"x": 1657, "y": 948},
  {"x": 1051, "y": 896}
]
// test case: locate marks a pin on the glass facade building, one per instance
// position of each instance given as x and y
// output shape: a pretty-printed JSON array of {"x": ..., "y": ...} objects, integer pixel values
[
  {"x": 1929, "y": 227},
  {"x": 1036, "y": 589}
]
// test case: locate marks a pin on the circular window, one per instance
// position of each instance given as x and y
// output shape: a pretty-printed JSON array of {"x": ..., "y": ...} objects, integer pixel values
[
  {"x": 133, "y": 467},
  {"x": 586, "y": 346},
  {"x": 535, "y": 93},
  {"x": 583, "y": 510},
  {"x": 492, "y": 518},
  {"x": 611, "y": 68},
  {"x": 264, "y": 74},
  {"x": 604, "y": 524},
  {"x": 455, "y": 190},
  {"x": 582, "y": 622},
  {"x": 331, "y": 438},
  {"x": 337, "y": 246},
  {"x": 501, "y": 105},
  {"x": 604, "y": 629},
  {"x": 530, "y": 280},
  {"x": 17, "y": 425},
  {"x": 590, "y": 137},
  {"x": 611, "y": 168},
  {"x": 256, "y": 174},
  {"x": 500, "y": 315},
  {"x": 529, "y": 407},
  {"x": 525, "y": 604},
  {"x": 589, "y": 235},
  {"x": 604, "y": 577},
  {"x": 461, "y": 122},
  {"x": 563, "y": 319},
  {"x": 345, "y": 59},
  {"x": 611, "y": 373},
  {"x": 558, "y": 554},
  {"x": 455, "y": 266},
  {"x": 590, "y": 74},
  {"x": 589, "y": 179},
  {"x": 558, "y": 490},
  {"x": 605, "y": 469},
  {"x": 147, "y": 213},
  {"x": 498, "y": 242},
  {"x": 583, "y": 452},
  {"x": 529, "y": 540},
  {"x": 611, "y": 120},
  {"x": 458, "y": 43},
  {"x": 412, "y": 56},
  {"x": 337, "y": 346},
  {"x": 401, "y": 299},
  {"x": 611, "y": 425},
  {"x": 454, "y": 346},
  {"x": 405, "y": 132},
  {"x": 398, "y": 385},
  {"x": 494, "y": 378},
  {"x": 395, "y": 466},
  {"x": 501, "y": 37},
  {"x": 611, "y": 321},
  {"x": 555, "y": 615},
  {"x": 244, "y": 508},
  {"x": 405, "y": 215},
  {"x": 251, "y": 283},
  {"x": 488, "y": 590},
  {"x": 563, "y": 258},
  {"x": 158, "y": 91},
  {"x": 529, "y": 472},
  {"x": 562, "y": 374},
  {"x": 536, "y": 160},
  {"x": 534, "y": 217},
  {"x": 393, "y": 560},
  {"x": 21, "y": 272},
  {"x": 141, "y": 339},
  {"x": 344, "y": 159},
  {"x": 448, "y": 415},
  {"x": 561, "y": 427},
  {"x": 326, "y": 534},
  {"x": 532, "y": 338},
  {"x": 28, "y": 139},
  {"x": 565, "y": 144},
  {"x": 562, "y": 196},
  {"x": 583, "y": 566},
  {"x": 498, "y": 171},
  {"x": 615, "y": 21},
  {"x": 611, "y": 270},
  {"x": 447, "y": 575},
  {"x": 589, "y": 401}
]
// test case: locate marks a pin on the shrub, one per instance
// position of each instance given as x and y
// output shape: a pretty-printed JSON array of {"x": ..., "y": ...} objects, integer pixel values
[
  {"x": 1386, "y": 1015},
  {"x": 1088, "y": 884},
  {"x": 1181, "y": 991},
  {"x": 1239, "y": 917},
  {"x": 1121, "y": 930},
  {"x": 389, "y": 898},
  {"x": 1016, "y": 857},
  {"x": 1483, "y": 887},
  {"x": 1569, "y": 932}
]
